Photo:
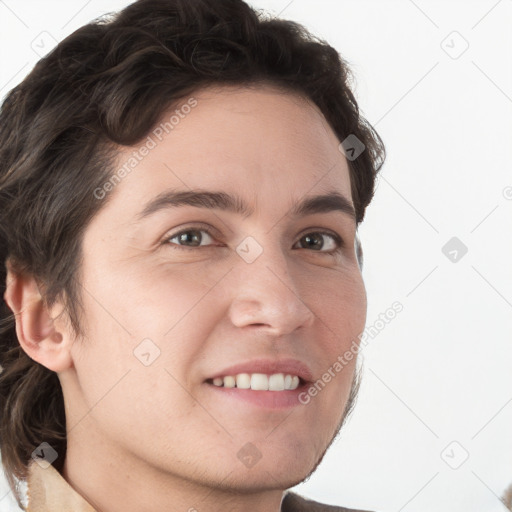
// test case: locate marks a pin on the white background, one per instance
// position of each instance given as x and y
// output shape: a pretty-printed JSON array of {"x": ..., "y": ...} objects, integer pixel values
[{"x": 441, "y": 370}]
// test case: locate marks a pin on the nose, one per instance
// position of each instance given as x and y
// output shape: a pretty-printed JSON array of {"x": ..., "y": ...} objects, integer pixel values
[{"x": 267, "y": 296}]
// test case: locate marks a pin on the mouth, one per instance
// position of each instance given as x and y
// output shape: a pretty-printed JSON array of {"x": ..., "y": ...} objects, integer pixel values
[
  {"x": 262, "y": 383},
  {"x": 259, "y": 381},
  {"x": 275, "y": 391}
]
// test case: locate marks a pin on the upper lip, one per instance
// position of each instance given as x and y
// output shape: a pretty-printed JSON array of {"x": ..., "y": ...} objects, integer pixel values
[{"x": 269, "y": 366}]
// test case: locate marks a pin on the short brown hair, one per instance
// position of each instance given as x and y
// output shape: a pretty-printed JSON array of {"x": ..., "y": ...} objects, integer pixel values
[{"x": 105, "y": 86}]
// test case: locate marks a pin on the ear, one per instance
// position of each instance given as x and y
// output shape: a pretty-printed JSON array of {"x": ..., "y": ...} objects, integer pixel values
[{"x": 36, "y": 330}]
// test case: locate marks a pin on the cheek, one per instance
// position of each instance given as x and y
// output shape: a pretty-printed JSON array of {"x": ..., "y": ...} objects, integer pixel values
[
  {"x": 163, "y": 314},
  {"x": 144, "y": 301},
  {"x": 343, "y": 306},
  {"x": 166, "y": 292},
  {"x": 342, "y": 313},
  {"x": 116, "y": 384}
]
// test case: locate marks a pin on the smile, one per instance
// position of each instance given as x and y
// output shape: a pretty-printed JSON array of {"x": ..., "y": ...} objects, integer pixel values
[{"x": 258, "y": 381}]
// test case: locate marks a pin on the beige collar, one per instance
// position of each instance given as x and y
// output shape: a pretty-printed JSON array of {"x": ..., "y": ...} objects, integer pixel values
[{"x": 48, "y": 491}]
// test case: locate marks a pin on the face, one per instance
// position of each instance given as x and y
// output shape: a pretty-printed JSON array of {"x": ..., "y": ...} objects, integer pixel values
[{"x": 179, "y": 296}]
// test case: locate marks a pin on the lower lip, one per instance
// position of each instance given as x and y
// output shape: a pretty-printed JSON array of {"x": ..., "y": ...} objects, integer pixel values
[{"x": 267, "y": 399}]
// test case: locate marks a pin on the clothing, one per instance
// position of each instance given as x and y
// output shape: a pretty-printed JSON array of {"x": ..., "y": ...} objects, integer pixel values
[{"x": 48, "y": 491}]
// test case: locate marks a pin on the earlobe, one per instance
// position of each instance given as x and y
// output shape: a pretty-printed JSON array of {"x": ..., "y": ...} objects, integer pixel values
[{"x": 35, "y": 328}]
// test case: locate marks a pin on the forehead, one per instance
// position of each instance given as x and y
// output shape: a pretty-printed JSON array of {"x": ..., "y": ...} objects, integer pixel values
[{"x": 262, "y": 143}]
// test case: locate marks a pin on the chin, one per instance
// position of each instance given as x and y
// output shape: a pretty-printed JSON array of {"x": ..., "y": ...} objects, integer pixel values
[
  {"x": 265, "y": 478},
  {"x": 277, "y": 469}
]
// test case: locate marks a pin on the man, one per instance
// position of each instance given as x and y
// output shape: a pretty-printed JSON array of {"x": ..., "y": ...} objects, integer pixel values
[{"x": 181, "y": 188}]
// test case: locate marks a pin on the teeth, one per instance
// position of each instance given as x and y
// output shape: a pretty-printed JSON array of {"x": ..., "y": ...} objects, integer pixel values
[
  {"x": 258, "y": 381},
  {"x": 276, "y": 382},
  {"x": 243, "y": 381},
  {"x": 294, "y": 384},
  {"x": 229, "y": 382}
]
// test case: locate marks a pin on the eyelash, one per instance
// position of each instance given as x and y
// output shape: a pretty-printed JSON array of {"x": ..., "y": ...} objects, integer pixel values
[{"x": 339, "y": 242}]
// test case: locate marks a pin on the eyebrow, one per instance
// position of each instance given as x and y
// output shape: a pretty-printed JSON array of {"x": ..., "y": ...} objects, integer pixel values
[{"x": 324, "y": 203}]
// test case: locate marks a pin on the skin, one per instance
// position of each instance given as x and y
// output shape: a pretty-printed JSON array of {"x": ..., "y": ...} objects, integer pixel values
[{"x": 152, "y": 438}]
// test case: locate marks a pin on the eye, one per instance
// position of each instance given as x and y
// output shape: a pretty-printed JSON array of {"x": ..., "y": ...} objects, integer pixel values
[
  {"x": 315, "y": 241},
  {"x": 191, "y": 236}
]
